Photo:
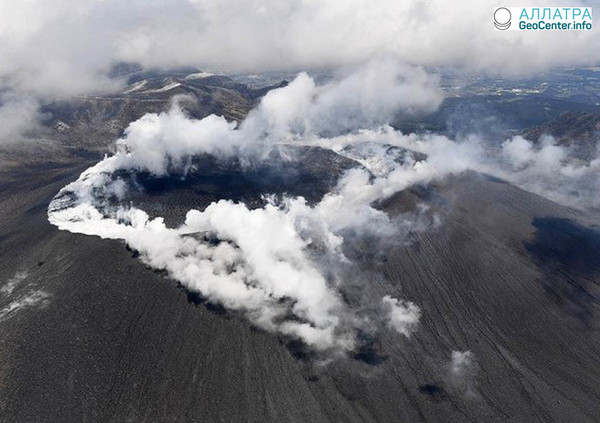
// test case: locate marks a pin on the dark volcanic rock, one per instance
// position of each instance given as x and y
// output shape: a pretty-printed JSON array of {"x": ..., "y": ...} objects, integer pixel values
[
  {"x": 293, "y": 171},
  {"x": 116, "y": 341}
]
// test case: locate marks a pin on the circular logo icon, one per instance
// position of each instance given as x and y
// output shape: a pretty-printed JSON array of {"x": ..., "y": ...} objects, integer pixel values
[{"x": 502, "y": 18}]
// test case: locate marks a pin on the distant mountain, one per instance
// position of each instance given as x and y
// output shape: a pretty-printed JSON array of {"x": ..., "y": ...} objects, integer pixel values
[
  {"x": 93, "y": 122},
  {"x": 580, "y": 131},
  {"x": 493, "y": 116}
]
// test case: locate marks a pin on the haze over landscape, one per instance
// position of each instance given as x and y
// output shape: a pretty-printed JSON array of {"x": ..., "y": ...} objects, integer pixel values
[{"x": 297, "y": 211}]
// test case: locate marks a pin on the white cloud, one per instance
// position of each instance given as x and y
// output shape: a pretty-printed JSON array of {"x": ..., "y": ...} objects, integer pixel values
[
  {"x": 541, "y": 167},
  {"x": 66, "y": 47}
]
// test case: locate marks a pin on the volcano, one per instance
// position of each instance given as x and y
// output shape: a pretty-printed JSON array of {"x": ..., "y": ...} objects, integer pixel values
[
  {"x": 345, "y": 278},
  {"x": 507, "y": 275}
]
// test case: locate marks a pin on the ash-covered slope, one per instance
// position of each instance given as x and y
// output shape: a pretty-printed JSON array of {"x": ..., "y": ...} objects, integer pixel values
[
  {"x": 578, "y": 131},
  {"x": 505, "y": 276},
  {"x": 310, "y": 172},
  {"x": 85, "y": 127},
  {"x": 94, "y": 121}
]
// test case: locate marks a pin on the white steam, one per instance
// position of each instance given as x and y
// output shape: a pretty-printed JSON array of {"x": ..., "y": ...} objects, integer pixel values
[
  {"x": 13, "y": 282},
  {"x": 12, "y": 301},
  {"x": 267, "y": 263},
  {"x": 29, "y": 300},
  {"x": 264, "y": 262},
  {"x": 366, "y": 96},
  {"x": 283, "y": 265},
  {"x": 543, "y": 167},
  {"x": 462, "y": 372},
  {"x": 546, "y": 169},
  {"x": 461, "y": 361},
  {"x": 403, "y": 316},
  {"x": 19, "y": 117}
]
